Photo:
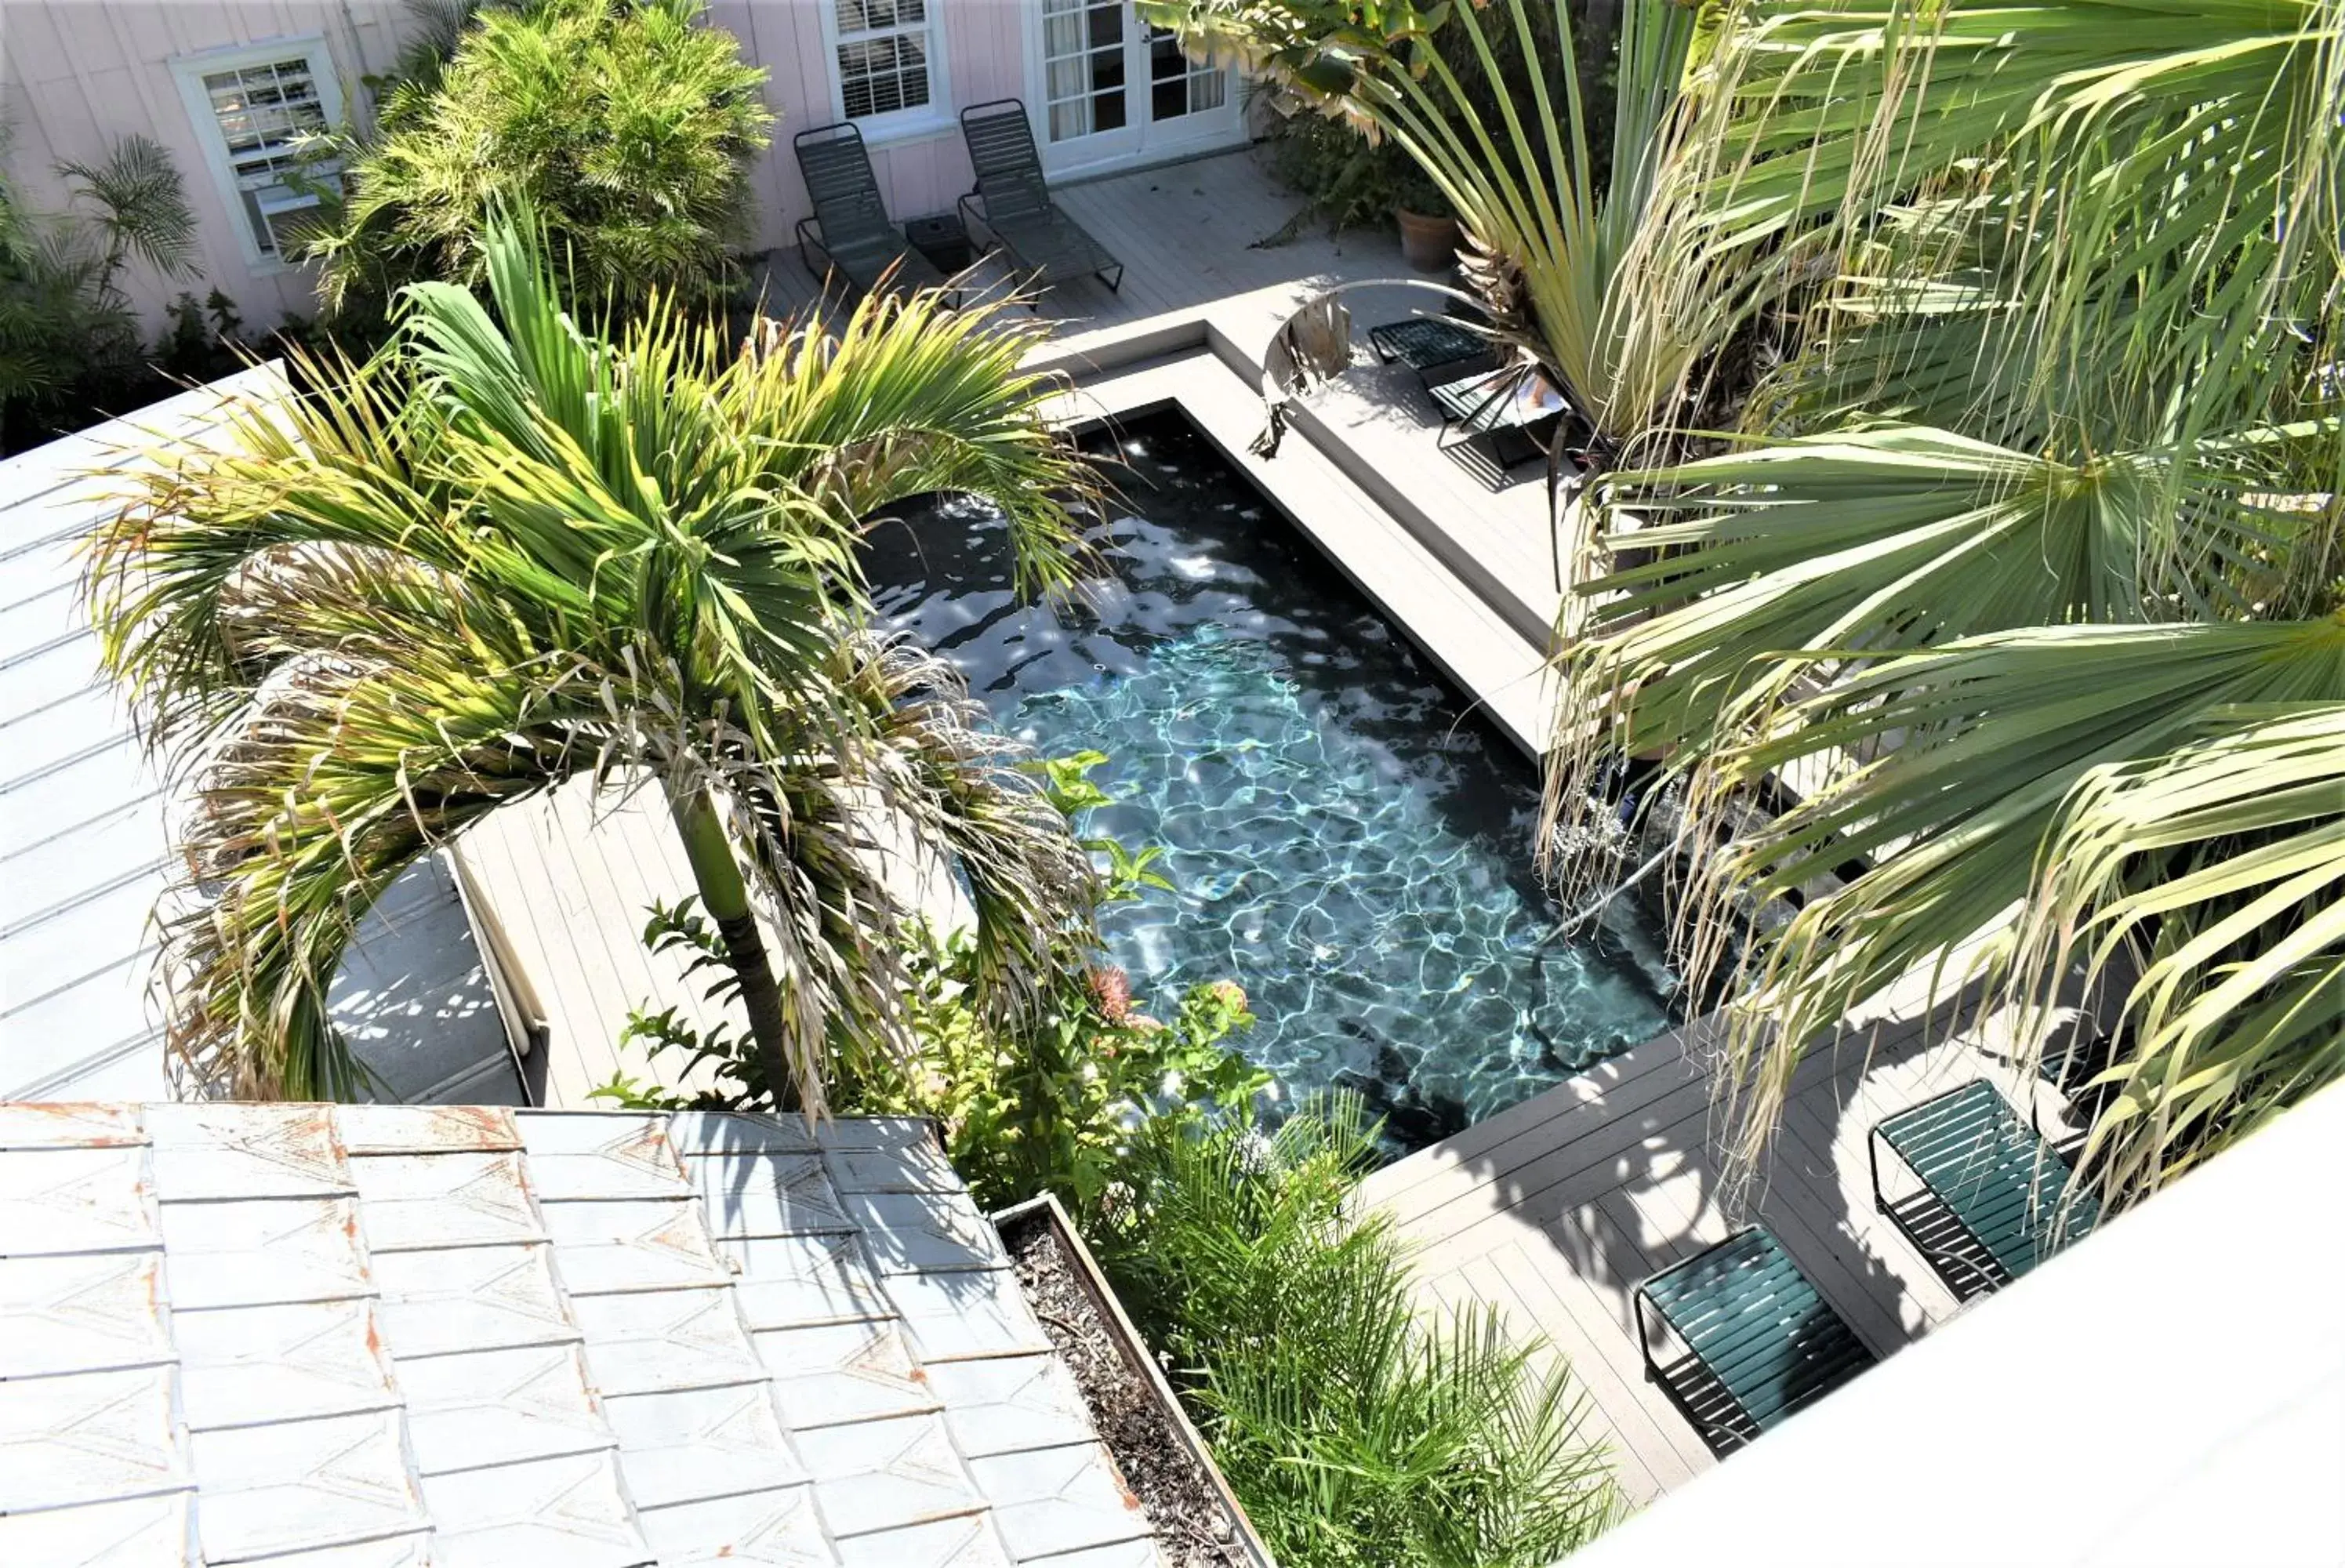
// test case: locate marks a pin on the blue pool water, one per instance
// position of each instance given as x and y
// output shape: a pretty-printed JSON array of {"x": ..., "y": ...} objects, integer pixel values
[{"x": 1348, "y": 841}]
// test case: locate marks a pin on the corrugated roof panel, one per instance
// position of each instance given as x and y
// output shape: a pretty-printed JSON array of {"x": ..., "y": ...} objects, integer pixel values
[
  {"x": 698, "y": 1444},
  {"x": 257, "y": 1251},
  {"x": 89, "y": 1437},
  {"x": 139, "y": 1533},
  {"x": 298, "y": 1485},
  {"x": 570, "y": 1511},
  {"x": 81, "y": 1312},
  {"x": 475, "y": 1408}
]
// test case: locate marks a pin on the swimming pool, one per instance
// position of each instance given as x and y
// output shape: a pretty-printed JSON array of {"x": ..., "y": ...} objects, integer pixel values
[{"x": 1349, "y": 842}]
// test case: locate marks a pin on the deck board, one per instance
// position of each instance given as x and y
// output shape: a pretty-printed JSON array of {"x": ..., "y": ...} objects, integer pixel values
[{"x": 1555, "y": 1210}]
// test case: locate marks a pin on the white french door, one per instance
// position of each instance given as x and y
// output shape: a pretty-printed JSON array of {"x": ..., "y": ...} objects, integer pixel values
[{"x": 1111, "y": 90}]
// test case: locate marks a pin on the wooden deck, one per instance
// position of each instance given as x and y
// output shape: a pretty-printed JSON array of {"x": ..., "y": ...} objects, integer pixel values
[
  {"x": 1186, "y": 234},
  {"x": 1555, "y": 1210}
]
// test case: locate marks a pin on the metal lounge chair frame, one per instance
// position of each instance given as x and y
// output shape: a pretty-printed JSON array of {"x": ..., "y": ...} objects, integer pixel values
[
  {"x": 1011, "y": 201},
  {"x": 1991, "y": 1204},
  {"x": 849, "y": 228},
  {"x": 1762, "y": 1342}
]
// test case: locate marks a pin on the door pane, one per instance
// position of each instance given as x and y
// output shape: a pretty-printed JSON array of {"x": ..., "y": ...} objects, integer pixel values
[{"x": 1084, "y": 77}]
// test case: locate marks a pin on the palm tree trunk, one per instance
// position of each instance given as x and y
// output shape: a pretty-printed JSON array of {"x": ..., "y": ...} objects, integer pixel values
[{"x": 725, "y": 896}]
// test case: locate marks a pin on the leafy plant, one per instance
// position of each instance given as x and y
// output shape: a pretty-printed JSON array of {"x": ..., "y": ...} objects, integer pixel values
[
  {"x": 2028, "y": 566},
  {"x": 508, "y": 553},
  {"x": 1054, "y": 1099},
  {"x": 69, "y": 343},
  {"x": 629, "y": 125},
  {"x": 1353, "y": 1432}
]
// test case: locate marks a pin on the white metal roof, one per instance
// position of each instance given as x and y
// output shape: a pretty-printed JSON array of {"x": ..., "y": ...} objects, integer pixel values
[{"x": 405, "y": 1335}]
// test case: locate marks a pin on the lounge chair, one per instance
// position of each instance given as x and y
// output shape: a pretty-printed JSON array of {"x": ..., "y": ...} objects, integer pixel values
[
  {"x": 1991, "y": 1206},
  {"x": 1012, "y": 202},
  {"x": 849, "y": 228},
  {"x": 1760, "y": 1343},
  {"x": 1425, "y": 343}
]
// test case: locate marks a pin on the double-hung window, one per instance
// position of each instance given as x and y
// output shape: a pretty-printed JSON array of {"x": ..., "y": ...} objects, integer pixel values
[
  {"x": 887, "y": 61},
  {"x": 252, "y": 105}
]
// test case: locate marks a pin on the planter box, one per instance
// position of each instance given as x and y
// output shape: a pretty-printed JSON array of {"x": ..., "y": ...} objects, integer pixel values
[{"x": 1021, "y": 1223}]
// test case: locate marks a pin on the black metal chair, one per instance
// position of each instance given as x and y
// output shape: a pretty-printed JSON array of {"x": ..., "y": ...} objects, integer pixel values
[
  {"x": 1762, "y": 1344},
  {"x": 1012, "y": 202},
  {"x": 849, "y": 228}
]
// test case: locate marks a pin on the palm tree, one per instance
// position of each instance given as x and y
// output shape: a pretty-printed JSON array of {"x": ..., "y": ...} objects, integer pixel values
[
  {"x": 2027, "y": 564},
  {"x": 1562, "y": 247},
  {"x": 507, "y": 552}
]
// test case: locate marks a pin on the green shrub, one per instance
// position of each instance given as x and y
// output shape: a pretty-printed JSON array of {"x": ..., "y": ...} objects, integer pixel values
[
  {"x": 69, "y": 345},
  {"x": 1356, "y": 1433},
  {"x": 626, "y": 125},
  {"x": 1057, "y": 1099}
]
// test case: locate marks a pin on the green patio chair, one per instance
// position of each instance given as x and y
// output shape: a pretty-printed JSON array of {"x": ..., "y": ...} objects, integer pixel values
[
  {"x": 1012, "y": 203},
  {"x": 1991, "y": 1204},
  {"x": 849, "y": 228},
  {"x": 1761, "y": 1342}
]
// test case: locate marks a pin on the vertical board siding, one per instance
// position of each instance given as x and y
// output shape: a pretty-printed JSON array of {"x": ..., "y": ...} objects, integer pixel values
[{"x": 79, "y": 77}]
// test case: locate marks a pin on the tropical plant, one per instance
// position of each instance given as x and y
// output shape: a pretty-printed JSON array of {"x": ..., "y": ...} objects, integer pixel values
[
  {"x": 2028, "y": 565},
  {"x": 508, "y": 551},
  {"x": 1054, "y": 1100},
  {"x": 69, "y": 340},
  {"x": 1501, "y": 114},
  {"x": 630, "y": 125},
  {"x": 1354, "y": 1431}
]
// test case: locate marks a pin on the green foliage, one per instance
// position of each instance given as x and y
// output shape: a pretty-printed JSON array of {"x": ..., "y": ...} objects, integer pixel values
[
  {"x": 1355, "y": 1434},
  {"x": 1059, "y": 1103},
  {"x": 1054, "y": 1098},
  {"x": 629, "y": 125},
  {"x": 70, "y": 344},
  {"x": 508, "y": 553}
]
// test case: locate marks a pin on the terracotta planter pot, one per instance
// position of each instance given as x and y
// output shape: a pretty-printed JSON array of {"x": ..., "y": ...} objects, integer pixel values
[{"x": 1427, "y": 244}]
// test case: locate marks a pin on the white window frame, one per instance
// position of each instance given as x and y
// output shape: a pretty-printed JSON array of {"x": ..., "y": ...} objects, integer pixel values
[
  {"x": 934, "y": 117},
  {"x": 189, "y": 70}
]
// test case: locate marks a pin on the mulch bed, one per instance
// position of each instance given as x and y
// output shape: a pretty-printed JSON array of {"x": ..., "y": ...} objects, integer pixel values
[{"x": 1194, "y": 1528}]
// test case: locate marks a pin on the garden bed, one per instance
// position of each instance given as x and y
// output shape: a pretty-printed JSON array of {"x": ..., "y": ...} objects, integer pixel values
[{"x": 1197, "y": 1519}]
